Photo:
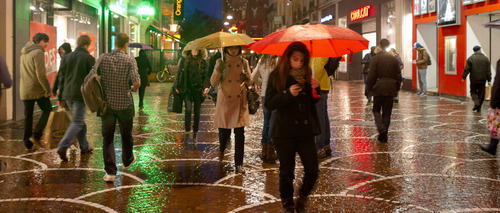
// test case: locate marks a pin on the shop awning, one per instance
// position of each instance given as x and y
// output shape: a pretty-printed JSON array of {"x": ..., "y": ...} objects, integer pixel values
[{"x": 168, "y": 35}]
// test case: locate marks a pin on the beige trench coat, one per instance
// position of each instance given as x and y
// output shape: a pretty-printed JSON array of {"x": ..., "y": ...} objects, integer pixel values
[{"x": 231, "y": 110}]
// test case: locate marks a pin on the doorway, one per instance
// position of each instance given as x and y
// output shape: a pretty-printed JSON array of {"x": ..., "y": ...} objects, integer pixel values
[{"x": 427, "y": 37}]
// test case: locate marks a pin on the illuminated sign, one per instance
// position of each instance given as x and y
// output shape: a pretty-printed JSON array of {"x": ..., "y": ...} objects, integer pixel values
[
  {"x": 179, "y": 10},
  {"x": 327, "y": 18},
  {"x": 361, "y": 13}
]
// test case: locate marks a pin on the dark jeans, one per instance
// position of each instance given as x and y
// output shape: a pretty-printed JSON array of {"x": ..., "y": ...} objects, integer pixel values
[
  {"x": 382, "y": 110},
  {"x": 239, "y": 143},
  {"x": 365, "y": 78},
  {"x": 286, "y": 148},
  {"x": 190, "y": 100},
  {"x": 323, "y": 139},
  {"x": 77, "y": 128},
  {"x": 125, "y": 120},
  {"x": 268, "y": 123},
  {"x": 29, "y": 105},
  {"x": 142, "y": 91},
  {"x": 477, "y": 93}
]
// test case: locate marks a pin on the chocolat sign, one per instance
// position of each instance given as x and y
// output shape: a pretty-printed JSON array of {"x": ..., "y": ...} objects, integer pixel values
[{"x": 361, "y": 13}]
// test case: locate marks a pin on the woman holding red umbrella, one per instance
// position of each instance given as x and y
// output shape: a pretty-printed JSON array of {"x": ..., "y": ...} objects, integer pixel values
[{"x": 290, "y": 94}]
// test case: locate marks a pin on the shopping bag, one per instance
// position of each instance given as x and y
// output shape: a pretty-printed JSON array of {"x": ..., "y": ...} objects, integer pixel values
[
  {"x": 56, "y": 128},
  {"x": 174, "y": 102},
  {"x": 492, "y": 122},
  {"x": 487, "y": 92}
]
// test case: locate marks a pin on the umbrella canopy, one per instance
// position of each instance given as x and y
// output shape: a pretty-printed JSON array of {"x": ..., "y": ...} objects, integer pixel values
[
  {"x": 196, "y": 44},
  {"x": 321, "y": 40},
  {"x": 139, "y": 45},
  {"x": 222, "y": 39},
  {"x": 493, "y": 24}
]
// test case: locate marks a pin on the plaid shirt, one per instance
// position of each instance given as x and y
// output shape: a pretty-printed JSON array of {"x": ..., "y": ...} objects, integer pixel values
[{"x": 117, "y": 70}]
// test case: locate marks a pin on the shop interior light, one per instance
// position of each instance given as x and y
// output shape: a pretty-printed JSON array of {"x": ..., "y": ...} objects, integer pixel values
[
  {"x": 41, "y": 9},
  {"x": 32, "y": 7},
  {"x": 115, "y": 16},
  {"x": 229, "y": 17},
  {"x": 226, "y": 23}
]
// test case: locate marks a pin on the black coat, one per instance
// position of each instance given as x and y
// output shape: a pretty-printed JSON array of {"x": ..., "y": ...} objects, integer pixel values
[
  {"x": 479, "y": 68},
  {"x": 293, "y": 116},
  {"x": 75, "y": 66},
  {"x": 495, "y": 91},
  {"x": 384, "y": 76},
  {"x": 192, "y": 76},
  {"x": 144, "y": 69}
]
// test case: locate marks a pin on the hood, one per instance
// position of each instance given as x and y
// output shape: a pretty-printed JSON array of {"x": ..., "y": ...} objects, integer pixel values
[
  {"x": 30, "y": 46},
  {"x": 202, "y": 52}
]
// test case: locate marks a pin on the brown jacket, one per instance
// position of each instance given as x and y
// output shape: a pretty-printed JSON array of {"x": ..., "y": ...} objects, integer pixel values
[
  {"x": 231, "y": 110},
  {"x": 422, "y": 59},
  {"x": 34, "y": 83}
]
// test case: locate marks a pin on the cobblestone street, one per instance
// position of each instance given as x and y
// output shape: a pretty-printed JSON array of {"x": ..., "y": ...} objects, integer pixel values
[{"x": 432, "y": 163}]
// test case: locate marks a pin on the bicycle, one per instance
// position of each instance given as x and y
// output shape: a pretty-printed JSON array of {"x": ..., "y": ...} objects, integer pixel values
[{"x": 164, "y": 75}]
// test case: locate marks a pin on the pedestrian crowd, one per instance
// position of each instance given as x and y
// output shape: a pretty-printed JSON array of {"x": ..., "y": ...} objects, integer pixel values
[{"x": 294, "y": 90}]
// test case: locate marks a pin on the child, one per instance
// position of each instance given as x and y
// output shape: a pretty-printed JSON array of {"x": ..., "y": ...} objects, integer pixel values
[{"x": 290, "y": 94}]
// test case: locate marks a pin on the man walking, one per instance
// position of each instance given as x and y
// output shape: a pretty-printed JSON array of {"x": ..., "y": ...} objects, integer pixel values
[
  {"x": 34, "y": 87},
  {"x": 421, "y": 62},
  {"x": 366, "y": 66},
  {"x": 74, "y": 67},
  {"x": 117, "y": 69},
  {"x": 318, "y": 66},
  {"x": 384, "y": 81},
  {"x": 478, "y": 66}
]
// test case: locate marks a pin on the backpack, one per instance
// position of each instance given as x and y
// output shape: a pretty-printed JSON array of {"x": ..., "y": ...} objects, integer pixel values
[
  {"x": 332, "y": 65},
  {"x": 92, "y": 91},
  {"x": 429, "y": 60}
]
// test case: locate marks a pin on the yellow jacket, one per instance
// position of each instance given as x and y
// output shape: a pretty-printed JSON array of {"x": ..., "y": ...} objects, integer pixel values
[{"x": 317, "y": 65}]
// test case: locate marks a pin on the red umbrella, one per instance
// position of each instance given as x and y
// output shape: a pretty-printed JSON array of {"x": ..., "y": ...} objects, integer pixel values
[{"x": 321, "y": 40}]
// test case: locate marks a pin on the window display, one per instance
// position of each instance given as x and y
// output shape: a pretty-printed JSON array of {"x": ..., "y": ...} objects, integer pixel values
[{"x": 450, "y": 48}]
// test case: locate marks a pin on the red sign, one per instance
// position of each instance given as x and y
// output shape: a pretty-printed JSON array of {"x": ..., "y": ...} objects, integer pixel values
[
  {"x": 92, "y": 43},
  {"x": 50, "y": 51},
  {"x": 361, "y": 13}
]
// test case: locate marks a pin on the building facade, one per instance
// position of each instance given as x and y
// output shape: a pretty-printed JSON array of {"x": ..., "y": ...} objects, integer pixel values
[{"x": 448, "y": 30}]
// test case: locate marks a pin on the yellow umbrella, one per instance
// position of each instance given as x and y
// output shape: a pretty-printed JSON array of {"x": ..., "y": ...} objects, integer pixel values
[
  {"x": 223, "y": 39},
  {"x": 195, "y": 45}
]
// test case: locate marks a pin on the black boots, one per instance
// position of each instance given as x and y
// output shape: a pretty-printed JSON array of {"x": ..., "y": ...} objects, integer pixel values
[
  {"x": 268, "y": 154},
  {"x": 491, "y": 148},
  {"x": 263, "y": 153},
  {"x": 383, "y": 137},
  {"x": 287, "y": 205},
  {"x": 300, "y": 205}
]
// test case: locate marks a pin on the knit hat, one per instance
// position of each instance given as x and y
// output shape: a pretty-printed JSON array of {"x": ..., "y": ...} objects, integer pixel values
[{"x": 476, "y": 48}]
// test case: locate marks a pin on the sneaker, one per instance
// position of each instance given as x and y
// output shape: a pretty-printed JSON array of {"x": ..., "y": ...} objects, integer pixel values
[
  {"x": 423, "y": 94},
  {"x": 36, "y": 141},
  {"x": 85, "y": 151},
  {"x": 126, "y": 167},
  {"x": 109, "y": 178},
  {"x": 62, "y": 154}
]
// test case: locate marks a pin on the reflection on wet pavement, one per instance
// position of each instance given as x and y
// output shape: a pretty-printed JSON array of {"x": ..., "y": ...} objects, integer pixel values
[{"x": 431, "y": 164}]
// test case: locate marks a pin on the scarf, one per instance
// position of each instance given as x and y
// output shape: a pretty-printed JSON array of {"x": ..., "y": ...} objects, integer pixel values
[{"x": 299, "y": 75}]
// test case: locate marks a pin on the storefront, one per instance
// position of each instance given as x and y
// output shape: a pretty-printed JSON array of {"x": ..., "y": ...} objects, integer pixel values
[
  {"x": 375, "y": 20},
  {"x": 458, "y": 26}
]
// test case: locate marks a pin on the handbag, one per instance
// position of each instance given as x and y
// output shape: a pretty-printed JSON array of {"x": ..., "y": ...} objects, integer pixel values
[
  {"x": 493, "y": 120},
  {"x": 487, "y": 92},
  {"x": 253, "y": 100},
  {"x": 56, "y": 127},
  {"x": 174, "y": 102},
  {"x": 212, "y": 93}
]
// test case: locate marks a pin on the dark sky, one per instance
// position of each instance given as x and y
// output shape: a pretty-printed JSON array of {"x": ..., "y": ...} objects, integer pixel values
[{"x": 211, "y": 7}]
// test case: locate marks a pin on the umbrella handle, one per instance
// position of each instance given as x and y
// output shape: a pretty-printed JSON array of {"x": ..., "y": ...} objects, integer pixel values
[{"x": 222, "y": 53}]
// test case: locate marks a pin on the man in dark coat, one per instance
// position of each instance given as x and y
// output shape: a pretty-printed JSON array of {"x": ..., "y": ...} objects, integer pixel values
[
  {"x": 144, "y": 70},
  {"x": 366, "y": 62},
  {"x": 495, "y": 105},
  {"x": 478, "y": 66},
  {"x": 384, "y": 81},
  {"x": 75, "y": 66}
]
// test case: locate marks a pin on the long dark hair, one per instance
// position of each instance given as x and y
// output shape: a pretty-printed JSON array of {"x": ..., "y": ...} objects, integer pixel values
[{"x": 283, "y": 68}]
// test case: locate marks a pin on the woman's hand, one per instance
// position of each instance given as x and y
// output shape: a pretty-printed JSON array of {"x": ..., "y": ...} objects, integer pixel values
[
  {"x": 314, "y": 83},
  {"x": 295, "y": 89},
  {"x": 177, "y": 91},
  {"x": 205, "y": 92}
]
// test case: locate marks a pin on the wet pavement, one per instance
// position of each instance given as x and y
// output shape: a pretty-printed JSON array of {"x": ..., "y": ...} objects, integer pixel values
[{"x": 431, "y": 164}]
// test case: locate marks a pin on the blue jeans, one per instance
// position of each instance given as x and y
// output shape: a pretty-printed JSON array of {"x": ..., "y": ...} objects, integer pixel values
[
  {"x": 365, "y": 78},
  {"x": 422, "y": 83},
  {"x": 323, "y": 139},
  {"x": 268, "y": 123},
  {"x": 126, "y": 121},
  {"x": 77, "y": 128}
]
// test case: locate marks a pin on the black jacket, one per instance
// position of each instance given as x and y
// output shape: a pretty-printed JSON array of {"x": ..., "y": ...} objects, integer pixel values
[
  {"x": 478, "y": 66},
  {"x": 192, "y": 75},
  {"x": 74, "y": 67},
  {"x": 144, "y": 69},
  {"x": 495, "y": 91},
  {"x": 384, "y": 76},
  {"x": 293, "y": 116}
]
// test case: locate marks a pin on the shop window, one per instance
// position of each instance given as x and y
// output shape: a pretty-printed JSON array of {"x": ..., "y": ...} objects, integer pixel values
[{"x": 450, "y": 48}]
